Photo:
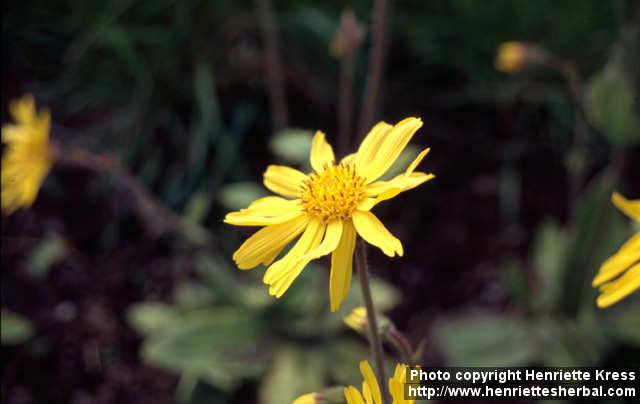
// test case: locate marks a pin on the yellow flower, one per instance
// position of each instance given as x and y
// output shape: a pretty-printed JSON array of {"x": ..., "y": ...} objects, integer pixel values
[
  {"x": 328, "y": 207},
  {"x": 371, "y": 390},
  {"x": 27, "y": 159},
  {"x": 357, "y": 319},
  {"x": 511, "y": 57},
  {"x": 624, "y": 264},
  {"x": 310, "y": 398}
]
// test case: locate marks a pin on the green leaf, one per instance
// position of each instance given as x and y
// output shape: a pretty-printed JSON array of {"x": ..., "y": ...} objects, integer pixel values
[
  {"x": 486, "y": 340},
  {"x": 221, "y": 346},
  {"x": 191, "y": 295},
  {"x": 549, "y": 254},
  {"x": 610, "y": 104},
  {"x": 292, "y": 374},
  {"x": 597, "y": 232},
  {"x": 292, "y": 145},
  {"x": 150, "y": 317},
  {"x": 47, "y": 253},
  {"x": 240, "y": 194},
  {"x": 515, "y": 282},
  {"x": 15, "y": 328},
  {"x": 624, "y": 322},
  {"x": 344, "y": 355}
]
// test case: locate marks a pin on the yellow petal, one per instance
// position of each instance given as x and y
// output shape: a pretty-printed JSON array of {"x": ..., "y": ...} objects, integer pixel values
[
  {"x": 416, "y": 161},
  {"x": 341, "y": 266},
  {"x": 373, "y": 232},
  {"x": 371, "y": 382},
  {"x": 321, "y": 152},
  {"x": 284, "y": 180},
  {"x": 309, "y": 398},
  {"x": 383, "y": 190},
  {"x": 352, "y": 395},
  {"x": 626, "y": 256},
  {"x": 281, "y": 274},
  {"x": 267, "y": 241},
  {"x": 23, "y": 110},
  {"x": 349, "y": 158},
  {"x": 392, "y": 145},
  {"x": 397, "y": 383},
  {"x": 371, "y": 144},
  {"x": 266, "y": 211},
  {"x": 622, "y": 287},
  {"x": 630, "y": 208},
  {"x": 330, "y": 241}
]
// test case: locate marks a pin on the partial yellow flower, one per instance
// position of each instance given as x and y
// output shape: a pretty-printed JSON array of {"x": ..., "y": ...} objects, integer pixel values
[
  {"x": 510, "y": 57},
  {"x": 27, "y": 159},
  {"x": 328, "y": 208},
  {"x": 309, "y": 398},
  {"x": 624, "y": 265},
  {"x": 371, "y": 390},
  {"x": 357, "y": 319}
]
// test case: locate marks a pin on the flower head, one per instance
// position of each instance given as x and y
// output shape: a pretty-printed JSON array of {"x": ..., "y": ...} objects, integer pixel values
[
  {"x": 27, "y": 157},
  {"x": 327, "y": 207},
  {"x": 371, "y": 390},
  {"x": 619, "y": 276},
  {"x": 511, "y": 57}
]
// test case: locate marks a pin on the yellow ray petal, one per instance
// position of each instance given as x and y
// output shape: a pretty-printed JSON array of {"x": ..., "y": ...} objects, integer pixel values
[
  {"x": 371, "y": 383},
  {"x": 352, "y": 395},
  {"x": 281, "y": 274},
  {"x": 374, "y": 232},
  {"x": 283, "y": 180},
  {"x": 626, "y": 256},
  {"x": 349, "y": 158},
  {"x": 630, "y": 208},
  {"x": 341, "y": 266},
  {"x": 247, "y": 219},
  {"x": 371, "y": 144},
  {"x": 266, "y": 211},
  {"x": 417, "y": 160},
  {"x": 267, "y": 241},
  {"x": 383, "y": 190},
  {"x": 392, "y": 145},
  {"x": 620, "y": 288},
  {"x": 330, "y": 241},
  {"x": 23, "y": 110},
  {"x": 321, "y": 152}
]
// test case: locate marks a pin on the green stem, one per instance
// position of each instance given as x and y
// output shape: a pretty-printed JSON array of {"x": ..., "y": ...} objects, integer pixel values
[{"x": 374, "y": 336}]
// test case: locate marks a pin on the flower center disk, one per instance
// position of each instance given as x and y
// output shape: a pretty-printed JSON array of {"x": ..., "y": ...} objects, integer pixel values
[{"x": 333, "y": 193}]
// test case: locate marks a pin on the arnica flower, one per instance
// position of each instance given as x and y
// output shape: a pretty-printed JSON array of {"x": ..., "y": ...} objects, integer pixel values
[
  {"x": 371, "y": 390},
  {"x": 328, "y": 206},
  {"x": 624, "y": 265},
  {"x": 511, "y": 57},
  {"x": 27, "y": 158}
]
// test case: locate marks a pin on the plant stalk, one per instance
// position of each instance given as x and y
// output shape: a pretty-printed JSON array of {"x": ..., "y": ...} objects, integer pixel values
[{"x": 374, "y": 336}]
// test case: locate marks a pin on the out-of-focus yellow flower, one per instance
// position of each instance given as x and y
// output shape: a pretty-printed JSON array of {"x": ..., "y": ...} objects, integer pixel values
[
  {"x": 27, "y": 158},
  {"x": 357, "y": 319},
  {"x": 328, "y": 206},
  {"x": 624, "y": 265},
  {"x": 511, "y": 57},
  {"x": 371, "y": 390},
  {"x": 309, "y": 398}
]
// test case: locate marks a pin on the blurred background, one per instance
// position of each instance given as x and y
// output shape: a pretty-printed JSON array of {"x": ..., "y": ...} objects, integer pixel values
[{"x": 118, "y": 285}]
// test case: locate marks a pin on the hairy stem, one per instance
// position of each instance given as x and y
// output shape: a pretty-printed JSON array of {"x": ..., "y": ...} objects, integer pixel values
[
  {"x": 275, "y": 78},
  {"x": 374, "y": 336},
  {"x": 158, "y": 218},
  {"x": 376, "y": 64}
]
